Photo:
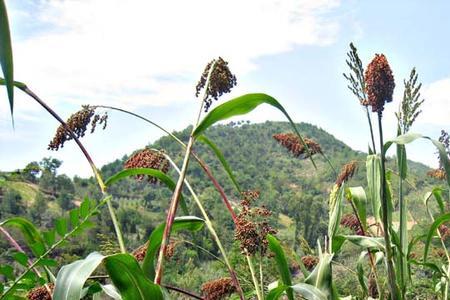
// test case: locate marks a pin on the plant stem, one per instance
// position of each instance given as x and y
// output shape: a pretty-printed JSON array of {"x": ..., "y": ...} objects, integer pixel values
[
  {"x": 97, "y": 175},
  {"x": 177, "y": 192},
  {"x": 211, "y": 230},
  {"x": 255, "y": 280},
  {"x": 387, "y": 239},
  {"x": 182, "y": 291},
  {"x": 202, "y": 164},
  {"x": 403, "y": 230}
]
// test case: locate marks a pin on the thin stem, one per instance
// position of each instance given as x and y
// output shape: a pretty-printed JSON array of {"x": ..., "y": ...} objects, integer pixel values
[
  {"x": 97, "y": 175},
  {"x": 403, "y": 230},
  {"x": 389, "y": 256},
  {"x": 182, "y": 291},
  {"x": 261, "y": 274},
  {"x": 255, "y": 280},
  {"x": 211, "y": 229},
  {"x": 177, "y": 192}
]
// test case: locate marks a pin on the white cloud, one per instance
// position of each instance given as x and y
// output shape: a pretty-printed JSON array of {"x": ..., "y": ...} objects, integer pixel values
[
  {"x": 436, "y": 108},
  {"x": 138, "y": 53}
]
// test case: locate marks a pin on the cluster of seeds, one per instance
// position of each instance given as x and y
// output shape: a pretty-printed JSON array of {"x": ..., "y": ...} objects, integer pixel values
[
  {"x": 437, "y": 174},
  {"x": 444, "y": 231},
  {"x": 347, "y": 172},
  {"x": 41, "y": 293},
  {"x": 252, "y": 226},
  {"x": 218, "y": 289},
  {"x": 140, "y": 252},
  {"x": 293, "y": 143},
  {"x": 379, "y": 83},
  {"x": 351, "y": 221},
  {"x": 221, "y": 81},
  {"x": 77, "y": 123},
  {"x": 310, "y": 261},
  {"x": 148, "y": 158}
]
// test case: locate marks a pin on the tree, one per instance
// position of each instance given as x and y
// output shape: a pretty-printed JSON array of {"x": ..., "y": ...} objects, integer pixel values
[
  {"x": 31, "y": 171},
  {"x": 12, "y": 204},
  {"x": 38, "y": 209},
  {"x": 50, "y": 164}
]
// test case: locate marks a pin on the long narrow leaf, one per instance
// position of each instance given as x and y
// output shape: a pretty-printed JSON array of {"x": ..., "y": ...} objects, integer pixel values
[
  {"x": 373, "y": 167},
  {"x": 321, "y": 276},
  {"x": 128, "y": 278},
  {"x": 283, "y": 267},
  {"x": 432, "y": 232},
  {"x": 241, "y": 106},
  {"x": 306, "y": 291},
  {"x": 6, "y": 56},
  {"x": 223, "y": 161},
  {"x": 71, "y": 278},
  {"x": 181, "y": 223},
  {"x": 29, "y": 231},
  {"x": 359, "y": 199}
]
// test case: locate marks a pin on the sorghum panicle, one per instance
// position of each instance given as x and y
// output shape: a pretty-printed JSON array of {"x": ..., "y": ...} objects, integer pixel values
[
  {"x": 148, "y": 158},
  {"x": 347, "y": 172},
  {"x": 77, "y": 123},
  {"x": 293, "y": 143},
  {"x": 252, "y": 226},
  {"x": 140, "y": 252},
  {"x": 310, "y": 261},
  {"x": 379, "y": 83},
  {"x": 221, "y": 81},
  {"x": 218, "y": 289},
  {"x": 41, "y": 293},
  {"x": 351, "y": 221}
]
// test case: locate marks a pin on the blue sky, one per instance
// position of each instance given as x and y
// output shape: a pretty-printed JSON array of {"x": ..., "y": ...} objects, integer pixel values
[{"x": 147, "y": 56}]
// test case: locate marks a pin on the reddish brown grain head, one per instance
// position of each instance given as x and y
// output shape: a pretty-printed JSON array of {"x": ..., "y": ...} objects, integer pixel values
[
  {"x": 379, "y": 83},
  {"x": 41, "y": 293},
  {"x": 310, "y": 261},
  {"x": 351, "y": 221},
  {"x": 218, "y": 289},
  {"x": 347, "y": 172},
  {"x": 437, "y": 174},
  {"x": 221, "y": 81},
  {"x": 148, "y": 158},
  {"x": 293, "y": 144}
]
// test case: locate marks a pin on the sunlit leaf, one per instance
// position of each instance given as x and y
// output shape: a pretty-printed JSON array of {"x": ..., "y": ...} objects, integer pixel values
[
  {"x": 283, "y": 267},
  {"x": 432, "y": 232},
  {"x": 6, "y": 55}
]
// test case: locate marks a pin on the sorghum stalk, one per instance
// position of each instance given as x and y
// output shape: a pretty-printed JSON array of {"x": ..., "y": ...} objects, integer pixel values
[
  {"x": 255, "y": 280},
  {"x": 369, "y": 120},
  {"x": 211, "y": 230},
  {"x": 176, "y": 194},
  {"x": 387, "y": 239},
  {"x": 97, "y": 175}
]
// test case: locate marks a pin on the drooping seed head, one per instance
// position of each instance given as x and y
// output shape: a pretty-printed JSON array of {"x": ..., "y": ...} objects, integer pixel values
[
  {"x": 292, "y": 142},
  {"x": 252, "y": 226},
  {"x": 140, "y": 252},
  {"x": 347, "y": 172},
  {"x": 41, "y": 293},
  {"x": 148, "y": 158},
  {"x": 218, "y": 289},
  {"x": 78, "y": 124},
  {"x": 379, "y": 83},
  {"x": 221, "y": 81}
]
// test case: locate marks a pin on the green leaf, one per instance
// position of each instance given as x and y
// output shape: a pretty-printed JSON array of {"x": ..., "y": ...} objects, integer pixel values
[
  {"x": 359, "y": 199},
  {"x": 307, "y": 292},
  {"x": 74, "y": 217},
  {"x": 223, "y": 161},
  {"x": 411, "y": 137},
  {"x": 29, "y": 231},
  {"x": 61, "y": 226},
  {"x": 366, "y": 241},
  {"x": 373, "y": 168},
  {"x": 437, "y": 193},
  {"x": 6, "y": 56},
  {"x": 147, "y": 171},
  {"x": 283, "y": 267},
  {"x": 360, "y": 271},
  {"x": 241, "y": 106},
  {"x": 321, "y": 276},
  {"x": 47, "y": 262},
  {"x": 71, "y": 278},
  {"x": 84, "y": 208},
  {"x": 130, "y": 280},
  {"x": 335, "y": 214},
  {"x": 21, "y": 258},
  {"x": 432, "y": 232},
  {"x": 190, "y": 223},
  {"x": 49, "y": 237}
]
